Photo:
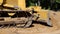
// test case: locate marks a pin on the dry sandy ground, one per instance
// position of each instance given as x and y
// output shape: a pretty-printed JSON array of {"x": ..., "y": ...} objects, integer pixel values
[{"x": 37, "y": 28}]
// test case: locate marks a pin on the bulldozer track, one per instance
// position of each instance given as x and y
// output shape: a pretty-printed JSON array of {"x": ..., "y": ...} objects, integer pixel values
[{"x": 11, "y": 25}]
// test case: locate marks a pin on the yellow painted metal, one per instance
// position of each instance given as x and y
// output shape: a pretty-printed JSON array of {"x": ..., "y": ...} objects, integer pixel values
[
  {"x": 21, "y": 4},
  {"x": 43, "y": 14},
  {"x": 1, "y": 2},
  {"x": 11, "y": 14},
  {"x": 13, "y": 3},
  {"x": 8, "y": 5}
]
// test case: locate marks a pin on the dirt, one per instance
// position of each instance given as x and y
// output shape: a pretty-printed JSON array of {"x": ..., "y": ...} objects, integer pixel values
[{"x": 37, "y": 28}]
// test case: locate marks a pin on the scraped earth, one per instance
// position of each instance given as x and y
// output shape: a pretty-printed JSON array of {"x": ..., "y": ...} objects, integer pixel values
[{"x": 37, "y": 28}]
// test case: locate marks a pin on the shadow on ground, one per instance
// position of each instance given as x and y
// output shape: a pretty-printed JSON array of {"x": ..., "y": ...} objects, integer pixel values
[{"x": 42, "y": 23}]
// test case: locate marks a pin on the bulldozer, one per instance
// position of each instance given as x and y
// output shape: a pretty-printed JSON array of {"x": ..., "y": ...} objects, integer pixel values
[{"x": 15, "y": 12}]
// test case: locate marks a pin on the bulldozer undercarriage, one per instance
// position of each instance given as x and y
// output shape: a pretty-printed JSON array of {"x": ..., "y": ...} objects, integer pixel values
[
  {"x": 17, "y": 18},
  {"x": 13, "y": 16}
]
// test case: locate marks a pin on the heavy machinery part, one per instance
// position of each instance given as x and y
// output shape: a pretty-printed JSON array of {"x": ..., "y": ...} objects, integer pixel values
[
  {"x": 8, "y": 4},
  {"x": 29, "y": 23},
  {"x": 4, "y": 5},
  {"x": 1, "y": 1},
  {"x": 49, "y": 22},
  {"x": 41, "y": 15},
  {"x": 1, "y": 26},
  {"x": 48, "y": 19},
  {"x": 18, "y": 17}
]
